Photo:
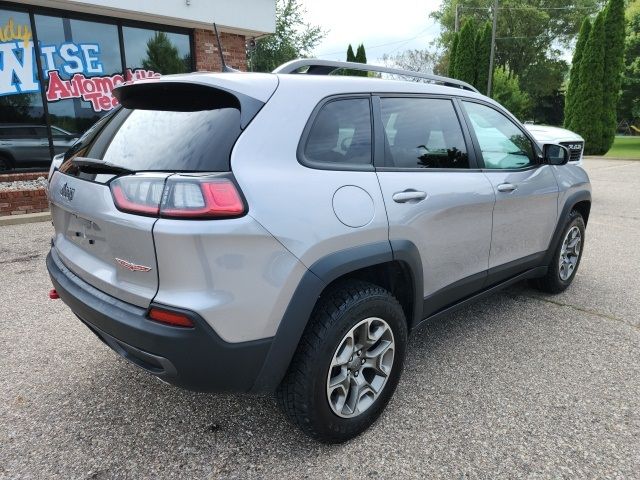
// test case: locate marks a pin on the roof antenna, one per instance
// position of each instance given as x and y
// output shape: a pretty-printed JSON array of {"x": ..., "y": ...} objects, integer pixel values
[{"x": 225, "y": 68}]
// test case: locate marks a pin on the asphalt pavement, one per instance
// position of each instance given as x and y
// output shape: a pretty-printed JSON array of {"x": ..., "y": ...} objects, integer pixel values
[{"x": 518, "y": 385}]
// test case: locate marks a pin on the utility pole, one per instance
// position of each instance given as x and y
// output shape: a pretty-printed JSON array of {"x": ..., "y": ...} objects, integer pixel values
[
  {"x": 493, "y": 47},
  {"x": 457, "y": 23}
]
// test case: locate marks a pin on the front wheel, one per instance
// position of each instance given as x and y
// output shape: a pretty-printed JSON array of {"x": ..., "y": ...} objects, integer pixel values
[
  {"x": 348, "y": 363},
  {"x": 566, "y": 258}
]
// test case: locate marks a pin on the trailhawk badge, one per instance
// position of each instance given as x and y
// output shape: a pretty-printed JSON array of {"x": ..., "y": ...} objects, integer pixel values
[{"x": 132, "y": 266}]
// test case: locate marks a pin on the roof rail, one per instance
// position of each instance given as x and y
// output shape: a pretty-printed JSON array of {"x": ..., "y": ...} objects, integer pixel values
[{"x": 326, "y": 67}]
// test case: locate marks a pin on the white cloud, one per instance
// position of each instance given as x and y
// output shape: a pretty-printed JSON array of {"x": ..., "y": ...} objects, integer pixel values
[{"x": 382, "y": 26}]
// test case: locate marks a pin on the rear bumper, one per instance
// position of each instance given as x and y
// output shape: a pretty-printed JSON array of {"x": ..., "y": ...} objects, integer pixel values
[{"x": 192, "y": 358}]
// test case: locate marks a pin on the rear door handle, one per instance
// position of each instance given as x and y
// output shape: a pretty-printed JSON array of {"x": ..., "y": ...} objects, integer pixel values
[
  {"x": 409, "y": 196},
  {"x": 507, "y": 187}
]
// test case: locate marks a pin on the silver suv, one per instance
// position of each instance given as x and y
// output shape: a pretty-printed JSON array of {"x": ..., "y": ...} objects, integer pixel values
[{"x": 286, "y": 232}]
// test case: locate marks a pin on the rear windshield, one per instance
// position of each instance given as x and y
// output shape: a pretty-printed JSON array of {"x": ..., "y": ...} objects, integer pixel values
[
  {"x": 179, "y": 128},
  {"x": 166, "y": 140}
]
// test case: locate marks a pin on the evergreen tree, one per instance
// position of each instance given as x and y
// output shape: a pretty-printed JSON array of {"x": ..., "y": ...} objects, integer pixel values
[
  {"x": 465, "y": 67},
  {"x": 452, "y": 55},
  {"x": 483, "y": 55},
  {"x": 162, "y": 56},
  {"x": 350, "y": 55},
  {"x": 614, "y": 28},
  {"x": 361, "y": 57},
  {"x": 569, "y": 104},
  {"x": 587, "y": 116}
]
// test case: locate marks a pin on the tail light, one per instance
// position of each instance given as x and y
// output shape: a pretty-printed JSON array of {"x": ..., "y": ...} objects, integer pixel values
[{"x": 194, "y": 197}]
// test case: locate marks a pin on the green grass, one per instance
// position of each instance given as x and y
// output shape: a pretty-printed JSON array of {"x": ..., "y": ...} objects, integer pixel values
[{"x": 625, "y": 147}]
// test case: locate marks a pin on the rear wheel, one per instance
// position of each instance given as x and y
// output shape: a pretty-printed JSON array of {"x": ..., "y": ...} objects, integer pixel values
[
  {"x": 348, "y": 363},
  {"x": 566, "y": 258}
]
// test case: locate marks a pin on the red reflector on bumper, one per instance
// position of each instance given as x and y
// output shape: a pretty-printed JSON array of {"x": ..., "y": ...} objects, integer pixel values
[
  {"x": 53, "y": 295},
  {"x": 170, "y": 318}
]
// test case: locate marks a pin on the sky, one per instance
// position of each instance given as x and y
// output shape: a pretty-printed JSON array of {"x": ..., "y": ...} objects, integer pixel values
[{"x": 383, "y": 26}]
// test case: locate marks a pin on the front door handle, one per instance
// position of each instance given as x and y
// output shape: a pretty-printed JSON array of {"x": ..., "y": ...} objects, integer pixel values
[
  {"x": 507, "y": 187},
  {"x": 409, "y": 196}
]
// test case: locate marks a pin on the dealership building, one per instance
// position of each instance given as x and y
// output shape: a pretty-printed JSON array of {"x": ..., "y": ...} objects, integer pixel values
[{"x": 59, "y": 59}]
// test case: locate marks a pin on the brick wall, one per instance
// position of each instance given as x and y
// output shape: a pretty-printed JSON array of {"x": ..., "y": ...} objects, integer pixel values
[
  {"x": 208, "y": 57},
  {"x": 17, "y": 202}
]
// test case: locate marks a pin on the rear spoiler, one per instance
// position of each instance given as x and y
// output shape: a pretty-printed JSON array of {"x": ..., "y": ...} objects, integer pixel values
[{"x": 185, "y": 97}]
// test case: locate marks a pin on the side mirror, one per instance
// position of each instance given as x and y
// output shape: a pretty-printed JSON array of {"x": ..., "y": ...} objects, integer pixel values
[{"x": 555, "y": 154}]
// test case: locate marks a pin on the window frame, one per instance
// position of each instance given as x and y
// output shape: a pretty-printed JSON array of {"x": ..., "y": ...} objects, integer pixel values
[
  {"x": 348, "y": 167},
  {"x": 380, "y": 158},
  {"x": 537, "y": 152}
]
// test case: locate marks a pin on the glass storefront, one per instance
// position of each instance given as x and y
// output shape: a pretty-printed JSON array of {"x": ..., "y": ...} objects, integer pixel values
[{"x": 81, "y": 61}]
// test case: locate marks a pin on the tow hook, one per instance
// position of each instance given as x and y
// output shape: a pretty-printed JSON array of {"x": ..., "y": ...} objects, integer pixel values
[{"x": 53, "y": 295}]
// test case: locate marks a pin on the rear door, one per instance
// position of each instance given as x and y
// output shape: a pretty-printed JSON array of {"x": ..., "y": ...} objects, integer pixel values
[
  {"x": 526, "y": 191},
  {"x": 434, "y": 194}
]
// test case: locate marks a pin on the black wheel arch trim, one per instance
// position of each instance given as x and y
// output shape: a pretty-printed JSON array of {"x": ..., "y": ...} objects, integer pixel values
[
  {"x": 569, "y": 204},
  {"x": 311, "y": 286}
]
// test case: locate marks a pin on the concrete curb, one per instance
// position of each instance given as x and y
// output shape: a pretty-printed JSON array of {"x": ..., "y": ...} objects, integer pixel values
[{"x": 26, "y": 218}]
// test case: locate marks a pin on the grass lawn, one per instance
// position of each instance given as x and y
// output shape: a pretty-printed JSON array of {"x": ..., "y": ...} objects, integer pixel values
[{"x": 625, "y": 147}]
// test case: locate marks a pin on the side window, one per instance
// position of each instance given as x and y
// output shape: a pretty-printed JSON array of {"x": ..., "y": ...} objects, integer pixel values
[
  {"x": 502, "y": 143},
  {"x": 341, "y": 133},
  {"x": 422, "y": 133}
]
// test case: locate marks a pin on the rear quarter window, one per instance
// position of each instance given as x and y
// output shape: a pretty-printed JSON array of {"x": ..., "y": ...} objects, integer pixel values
[{"x": 339, "y": 135}]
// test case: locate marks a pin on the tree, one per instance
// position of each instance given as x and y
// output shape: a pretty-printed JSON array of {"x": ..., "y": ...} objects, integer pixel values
[
  {"x": 483, "y": 55},
  {"x": 361, "y": 57},
  {"x": 350, "y": 55},
  {"x": 629, "y": 104},
  {"x": 293, "y": 38},
  {"x": 465, "y": 66},
  {"x": 529, "y": 32},
  {"x": 527, "y": 29},
  {"x": 414, "y": 60},
  {"x": 506, "y": 91},
  {"x": 614, "y": 43},
  {"x": 569, "y": 105},
  {"x": 452, "y": 55},
  {"x": 587, "y": 116},
  {"x": 162, "y": 56}
]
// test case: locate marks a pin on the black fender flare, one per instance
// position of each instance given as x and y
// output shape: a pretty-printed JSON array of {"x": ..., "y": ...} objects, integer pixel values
[
  {"x": 569, "y": 204},
  {"x": 309, "y": 289}
]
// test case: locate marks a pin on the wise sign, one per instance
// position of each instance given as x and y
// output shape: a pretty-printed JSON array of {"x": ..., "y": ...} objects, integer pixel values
[{"x": 73, "y": 70}]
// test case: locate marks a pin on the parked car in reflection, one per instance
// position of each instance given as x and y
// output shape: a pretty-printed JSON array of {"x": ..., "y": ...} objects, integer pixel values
[{"x": 24, "y": 145}]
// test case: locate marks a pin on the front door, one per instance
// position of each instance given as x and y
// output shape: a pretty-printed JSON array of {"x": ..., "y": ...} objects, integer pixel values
[
  {"x": 433, "y": 195},
  {"x": 526, "y": 209}
]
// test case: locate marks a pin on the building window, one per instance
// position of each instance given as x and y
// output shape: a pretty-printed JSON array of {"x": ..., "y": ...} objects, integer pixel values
[
  {"x": 23, "y": 135},
  {"x": 81, "y": 62},
  {"x": 158, "y": 51}
]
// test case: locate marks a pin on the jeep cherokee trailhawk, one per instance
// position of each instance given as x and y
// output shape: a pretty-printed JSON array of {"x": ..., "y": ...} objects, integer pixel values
[{"x": 286, "y": 232}]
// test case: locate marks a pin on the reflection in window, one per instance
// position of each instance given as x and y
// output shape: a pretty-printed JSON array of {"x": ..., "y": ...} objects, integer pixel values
[
  {"x": 161, "y": 52},
  {"x": 341, "y": 133},
  {"x": 23, "y": 136},
  {"x": 422, "y": 133},
  {"x": 502, "y": 143},
  {"x": 81, "y": 62}
]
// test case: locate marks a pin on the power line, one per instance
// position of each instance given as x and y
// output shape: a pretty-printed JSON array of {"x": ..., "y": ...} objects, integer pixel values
[{"x": 419, "y": 35}]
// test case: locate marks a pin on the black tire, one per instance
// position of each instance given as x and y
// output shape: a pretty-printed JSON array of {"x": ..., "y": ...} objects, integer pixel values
[
  {"x": 302, "y": 395},
  {"x": 5, "y": 163},
  {"x": 552, "y": 281}
]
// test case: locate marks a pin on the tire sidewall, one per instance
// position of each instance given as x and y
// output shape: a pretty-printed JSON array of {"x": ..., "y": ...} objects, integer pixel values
[{"x": 373, "y": 306}]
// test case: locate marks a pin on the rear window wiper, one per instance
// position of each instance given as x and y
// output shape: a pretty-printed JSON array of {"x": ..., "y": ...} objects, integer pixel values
[{"x": 93, "y": 165}]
